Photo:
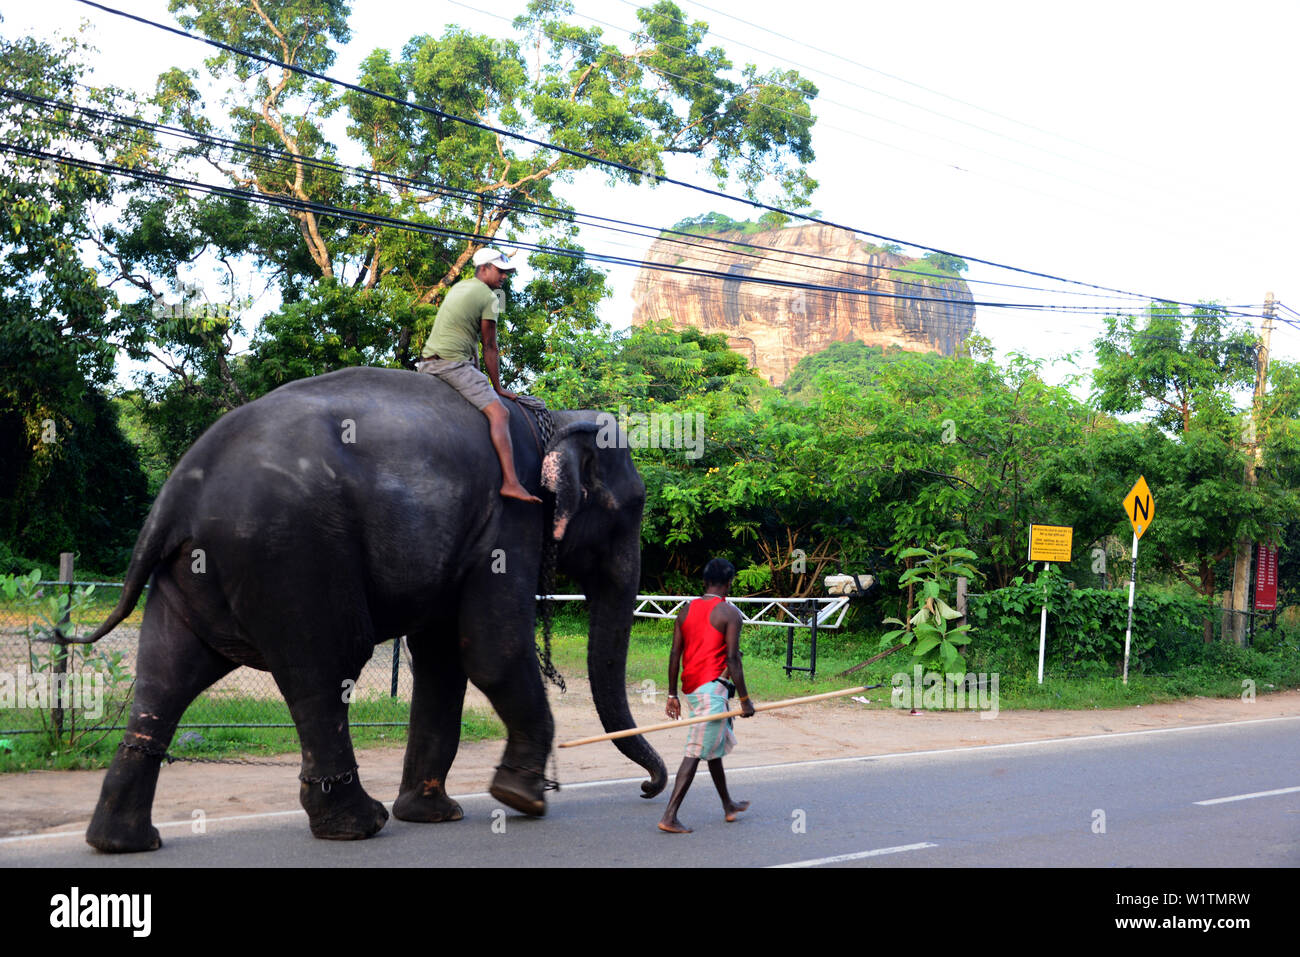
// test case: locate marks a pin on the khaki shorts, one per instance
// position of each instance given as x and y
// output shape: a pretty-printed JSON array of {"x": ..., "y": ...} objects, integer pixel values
[{"x": 464, "y": 377}]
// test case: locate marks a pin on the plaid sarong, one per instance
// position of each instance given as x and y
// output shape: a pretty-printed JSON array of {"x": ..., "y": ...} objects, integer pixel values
[{"x": 709, "y": 739}]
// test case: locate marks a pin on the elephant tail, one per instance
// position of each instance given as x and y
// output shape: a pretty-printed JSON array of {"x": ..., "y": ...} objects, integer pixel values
[{"x": 150, "y": 549}]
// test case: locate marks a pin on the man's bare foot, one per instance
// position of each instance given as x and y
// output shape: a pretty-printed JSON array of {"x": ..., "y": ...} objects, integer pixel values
[
  {"x": 674, "y": 827},
  {"x": 518, "y": 491},
  {"x": 734, "y": 810}
]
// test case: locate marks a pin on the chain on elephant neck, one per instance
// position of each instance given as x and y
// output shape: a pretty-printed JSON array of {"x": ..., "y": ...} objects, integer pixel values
[
  {"x": 547, "y": 587},
  {"x": 546, "y": 584}
]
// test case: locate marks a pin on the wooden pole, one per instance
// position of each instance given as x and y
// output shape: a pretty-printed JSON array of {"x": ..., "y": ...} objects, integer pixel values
[
  {"x": 664, "y": 726},
  {"x": 59, "y": 655},
  {"x": 862, "y": 664}
]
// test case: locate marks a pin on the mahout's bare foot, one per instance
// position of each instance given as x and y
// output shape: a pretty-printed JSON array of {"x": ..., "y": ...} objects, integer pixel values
[
  {"x": 517, "y": 491},
  {"x": 674, "y": 827},
  {"x": 734, "y": 809}
]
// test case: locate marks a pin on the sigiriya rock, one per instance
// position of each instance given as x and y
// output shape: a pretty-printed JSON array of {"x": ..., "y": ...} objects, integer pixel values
[{"x": 877, "y": 296}]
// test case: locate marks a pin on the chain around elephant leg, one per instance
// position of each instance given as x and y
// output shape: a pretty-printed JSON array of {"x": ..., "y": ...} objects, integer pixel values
[
  {"x": 338, "y": 807},
  {"x": 521, "y": 788}
]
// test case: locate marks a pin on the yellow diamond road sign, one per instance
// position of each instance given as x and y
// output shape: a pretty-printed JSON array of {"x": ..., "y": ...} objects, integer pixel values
[{"x": 1140, "y": 507}]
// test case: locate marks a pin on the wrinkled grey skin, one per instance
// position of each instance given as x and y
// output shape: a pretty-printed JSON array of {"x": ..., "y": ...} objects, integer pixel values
[{"x": 349, "y": 509}]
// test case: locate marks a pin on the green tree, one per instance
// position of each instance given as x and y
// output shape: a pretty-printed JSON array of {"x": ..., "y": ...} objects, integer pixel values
[
  {"x": 1177, "y": 367},
  {"x": 1201, "y": 504},
  {"x": 954, "y": 451},
  {"x": 67, "y": 478},
  {"x": 1188, "y": 372},
  {"x": 853, "y": 363},
  {"x": 946, "y": 262},
  {"x": 667, "y": 94}
]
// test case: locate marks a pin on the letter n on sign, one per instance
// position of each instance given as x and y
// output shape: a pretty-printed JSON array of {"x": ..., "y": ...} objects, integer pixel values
[{"x": 1140, "y": 506}]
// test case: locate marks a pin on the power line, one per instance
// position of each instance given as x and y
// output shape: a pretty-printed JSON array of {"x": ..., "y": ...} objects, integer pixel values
[
  {"x": 735, "y": 246},
  {"x": 595, "y": 159},
  {"x": 818, "y": 303},
  {"x": 933, "y": 323},
  {"x": 489, "y": 199},
  {"x": 294, "y": 204},
  {"x": 299, "y": 205},
  {"x": 875, "y": 116},
  {"x": 930, "y": 326}
]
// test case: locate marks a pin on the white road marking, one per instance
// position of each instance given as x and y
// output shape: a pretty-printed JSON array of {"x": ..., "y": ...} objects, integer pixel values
[
  {"x": 858, "y": 856},
  {"x": 739, "y": 770},
  {"x": 1247, "y": 797},
  {"x": 1011, "y": 744},
  {"x": 212, "y": 820}
]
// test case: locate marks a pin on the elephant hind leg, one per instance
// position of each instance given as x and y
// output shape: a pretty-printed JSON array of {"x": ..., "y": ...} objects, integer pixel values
[
  {"x": 173, "y": 667},
  {"x": 338, "y": 807},
  {"x": 436, "y": 705}
]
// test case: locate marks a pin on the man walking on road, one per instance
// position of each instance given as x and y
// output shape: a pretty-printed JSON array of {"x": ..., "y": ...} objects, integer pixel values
[{"x": 706, "y": 647}]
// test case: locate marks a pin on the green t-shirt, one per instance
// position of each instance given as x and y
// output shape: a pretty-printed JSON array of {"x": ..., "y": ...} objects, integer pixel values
[{"x": 456, "y": 332}]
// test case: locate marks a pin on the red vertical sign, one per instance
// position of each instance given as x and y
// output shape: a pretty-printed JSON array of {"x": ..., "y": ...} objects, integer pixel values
[{"x": 1265, "y": 578}]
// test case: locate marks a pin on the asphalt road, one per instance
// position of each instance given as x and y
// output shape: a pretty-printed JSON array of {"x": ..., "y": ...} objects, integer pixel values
[{"x": 1129, "y": 800}]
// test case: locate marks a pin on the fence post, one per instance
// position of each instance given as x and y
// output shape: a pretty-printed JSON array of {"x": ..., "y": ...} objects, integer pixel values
[
  {"x": 59, "y": 665},
  {"x": 812, "y": 664},
  {"x": 789, "y": 652}
]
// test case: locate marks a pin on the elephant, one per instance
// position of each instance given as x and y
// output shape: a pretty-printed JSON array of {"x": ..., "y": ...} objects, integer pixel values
[{"x": 349, "y": 509}]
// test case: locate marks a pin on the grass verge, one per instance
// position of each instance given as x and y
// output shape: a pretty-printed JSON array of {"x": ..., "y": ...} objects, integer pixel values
[
  {"x": 197, "y": 738},
  {"x": 1214, "y": 671}
]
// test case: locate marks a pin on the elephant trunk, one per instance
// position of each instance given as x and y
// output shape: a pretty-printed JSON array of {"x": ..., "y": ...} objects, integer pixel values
[{"x": 611, "y": 605}]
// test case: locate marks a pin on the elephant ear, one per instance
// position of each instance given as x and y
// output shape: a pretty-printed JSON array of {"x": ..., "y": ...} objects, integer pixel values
[{"x": 571, "y": 470}]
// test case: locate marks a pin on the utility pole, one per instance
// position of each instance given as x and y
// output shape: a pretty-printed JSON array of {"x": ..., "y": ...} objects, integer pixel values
[{"x": 1253, "y": 448}]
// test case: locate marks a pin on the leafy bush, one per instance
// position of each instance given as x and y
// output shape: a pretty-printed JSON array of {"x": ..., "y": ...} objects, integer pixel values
[
  {"x": 935, "y": 644},
  {"x": 1085, "y": 627},
  {"x": 73, "y": 717}
]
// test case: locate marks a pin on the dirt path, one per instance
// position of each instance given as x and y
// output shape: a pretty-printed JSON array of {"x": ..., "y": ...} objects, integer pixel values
[{"x": 41, "y": 801}]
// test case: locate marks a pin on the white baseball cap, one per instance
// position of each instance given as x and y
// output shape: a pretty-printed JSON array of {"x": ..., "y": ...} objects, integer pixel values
[{"x": 488, "y": 256}]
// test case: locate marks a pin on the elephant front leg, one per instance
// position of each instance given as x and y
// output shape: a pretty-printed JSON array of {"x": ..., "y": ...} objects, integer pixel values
[
  {"x": 499, "y": 655},
  {"x": 514, "y": 687},
  {"x": 434, "y": 736},
  {"x": 338, "y": 807}
]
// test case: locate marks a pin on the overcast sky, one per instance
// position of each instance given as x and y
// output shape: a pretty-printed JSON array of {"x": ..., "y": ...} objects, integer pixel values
[{"x": 1149, "y": 146}]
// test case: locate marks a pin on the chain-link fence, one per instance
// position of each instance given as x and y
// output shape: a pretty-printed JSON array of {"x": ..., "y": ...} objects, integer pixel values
[{"x": 96, "y": 680}]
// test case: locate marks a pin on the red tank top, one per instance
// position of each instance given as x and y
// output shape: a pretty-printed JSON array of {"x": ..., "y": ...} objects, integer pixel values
[{"x": 704, "y": 655}]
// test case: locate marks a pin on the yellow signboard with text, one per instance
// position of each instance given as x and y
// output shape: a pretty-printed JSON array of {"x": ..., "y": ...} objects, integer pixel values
[{"x": 1050, "y": 543}]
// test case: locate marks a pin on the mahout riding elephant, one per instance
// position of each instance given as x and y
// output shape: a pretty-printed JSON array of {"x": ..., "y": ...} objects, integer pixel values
[{"x": 349, "y": 509}]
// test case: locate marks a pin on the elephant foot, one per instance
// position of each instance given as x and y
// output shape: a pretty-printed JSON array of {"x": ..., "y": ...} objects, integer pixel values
[
  {"x": 343, "y": 813},
  {"x": 521, "y": 789},
  {"x": 115, "y": 837},
  {"x": 427, "y": 804}
]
